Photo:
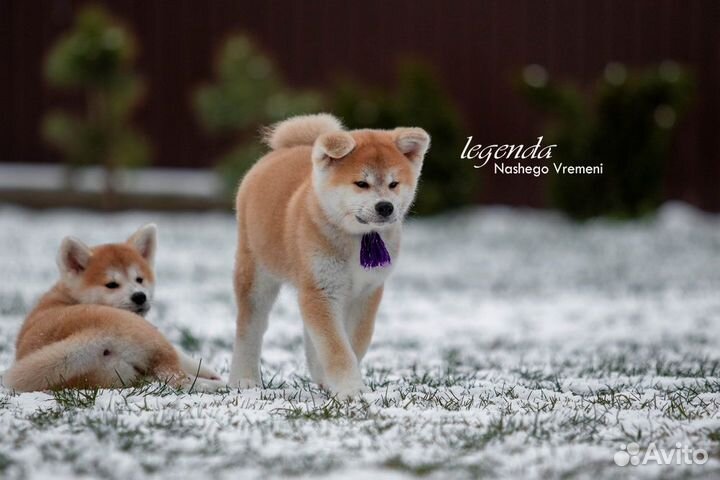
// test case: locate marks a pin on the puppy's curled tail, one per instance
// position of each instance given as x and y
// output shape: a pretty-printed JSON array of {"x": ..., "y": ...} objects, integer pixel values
[
  {"x": 53, "y": 365},
  {"x": 300, "y": 130}
]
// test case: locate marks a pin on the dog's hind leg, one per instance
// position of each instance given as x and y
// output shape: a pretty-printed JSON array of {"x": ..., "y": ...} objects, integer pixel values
[
  {"x": 91, "y": 359},
  {"x": 195, "y": 367},
  {"x": 255, "y": 291},
  {"x": 314, "y": 366}
]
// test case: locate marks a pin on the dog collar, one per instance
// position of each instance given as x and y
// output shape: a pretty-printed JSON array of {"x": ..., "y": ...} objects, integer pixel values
[{"x": 373, "y": 253}]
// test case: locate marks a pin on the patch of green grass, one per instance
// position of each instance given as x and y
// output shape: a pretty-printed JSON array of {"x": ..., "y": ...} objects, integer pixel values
[
  {"x": 6, "y": 463},
  {"x": 396, "y": 462},
  {"x": 688, "y": 367},
  {"x": 118, "y": 432},
  {"x": 304, "y": 465},
  {"x": 686, "y": 403},
  {"x": 188, "y": 341},
  {"x": 635, "y": 363},
  {"x": 75, "y": 398},
  {"x": 538, "y": 379},
  {"x": 332, "y": 409},
  {"x": 151, "y": 388},
  {"x": 274, "y": 382},
  {"x": 44, "y": 417}
]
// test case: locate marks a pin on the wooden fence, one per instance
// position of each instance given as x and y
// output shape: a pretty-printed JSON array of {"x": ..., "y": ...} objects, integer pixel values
[{"x": 477, "y": 46}]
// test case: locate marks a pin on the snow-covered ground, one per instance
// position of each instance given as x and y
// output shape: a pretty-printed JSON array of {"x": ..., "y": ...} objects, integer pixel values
[{"x": 509, "y": 344}]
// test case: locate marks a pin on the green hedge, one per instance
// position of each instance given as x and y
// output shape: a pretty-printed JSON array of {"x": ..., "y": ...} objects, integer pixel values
[
  {"x": 625, "y": 121},
  {"x": 96, "y": 58}
]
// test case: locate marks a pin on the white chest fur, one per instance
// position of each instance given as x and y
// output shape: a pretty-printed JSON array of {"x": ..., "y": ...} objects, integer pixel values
[
  {"x": 364, "y": 280},
  {"x": 346, "y": 276}
]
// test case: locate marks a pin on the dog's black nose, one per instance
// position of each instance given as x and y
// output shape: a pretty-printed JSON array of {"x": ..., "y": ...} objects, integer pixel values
[
  {"x": 384, "y": 209},
  {"x": 138, "y": 298}
]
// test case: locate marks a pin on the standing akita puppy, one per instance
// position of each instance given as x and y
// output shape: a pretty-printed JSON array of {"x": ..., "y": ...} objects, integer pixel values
[
  {"x": 323, "y": 211},
  {"x": 88, "y": 330}
]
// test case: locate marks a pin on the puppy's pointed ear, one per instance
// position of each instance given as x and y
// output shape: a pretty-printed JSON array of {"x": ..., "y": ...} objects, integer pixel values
[
  {"x": 145, "y": 241},
  {"x": 332, "y": 146},
  {"x": 413, "y": 143},
  {"x": 73, "y": 257}
]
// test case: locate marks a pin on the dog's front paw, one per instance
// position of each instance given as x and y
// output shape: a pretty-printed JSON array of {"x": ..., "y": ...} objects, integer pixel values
[
  {"x": 205, "y": 385},
  {"x": 206, "y": 374},
  {"x": 345, "y": 390},
  {"x": 209, "y": 374}
]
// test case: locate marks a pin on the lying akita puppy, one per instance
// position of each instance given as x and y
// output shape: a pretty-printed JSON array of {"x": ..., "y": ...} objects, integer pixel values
[
  {"x": 88, "y": 330},
  {"x": 323, "y": 210}
]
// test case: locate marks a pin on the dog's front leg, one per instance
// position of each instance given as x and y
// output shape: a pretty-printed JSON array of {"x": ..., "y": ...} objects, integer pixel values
[
  {"x": 361, "y": 321},
  {"x": 326, "y": 331}
]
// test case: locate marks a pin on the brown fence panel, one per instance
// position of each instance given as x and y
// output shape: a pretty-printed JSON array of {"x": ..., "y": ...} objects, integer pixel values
[{"x": 477, "y": 46}]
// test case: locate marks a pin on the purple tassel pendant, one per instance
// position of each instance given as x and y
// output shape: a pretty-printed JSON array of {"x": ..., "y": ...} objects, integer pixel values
[{"x": 373, "y": 252}]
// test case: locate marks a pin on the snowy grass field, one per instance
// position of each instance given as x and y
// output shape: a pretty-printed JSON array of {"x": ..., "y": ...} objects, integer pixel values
[{"x": 510, "y": 344}]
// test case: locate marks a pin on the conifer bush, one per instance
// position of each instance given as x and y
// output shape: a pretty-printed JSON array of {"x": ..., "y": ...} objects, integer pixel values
[
  {"x": 626, "y": 122},
  {"x": 248, "y": 92},
  {"x": 96, "y": 59}
]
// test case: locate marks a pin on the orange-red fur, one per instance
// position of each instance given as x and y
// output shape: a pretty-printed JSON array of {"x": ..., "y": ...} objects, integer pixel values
[
  {"x": 67, "y": 343},
  {"x": 289, "y": 230}
]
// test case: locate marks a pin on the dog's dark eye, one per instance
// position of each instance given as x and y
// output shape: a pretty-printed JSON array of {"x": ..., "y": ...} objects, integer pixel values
[
  {"x": 112, "y": 285},
  {"x": 139, "y": 280},
  {"x": 393, "y": 185},
  {"x": 362, "y": 184}
]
